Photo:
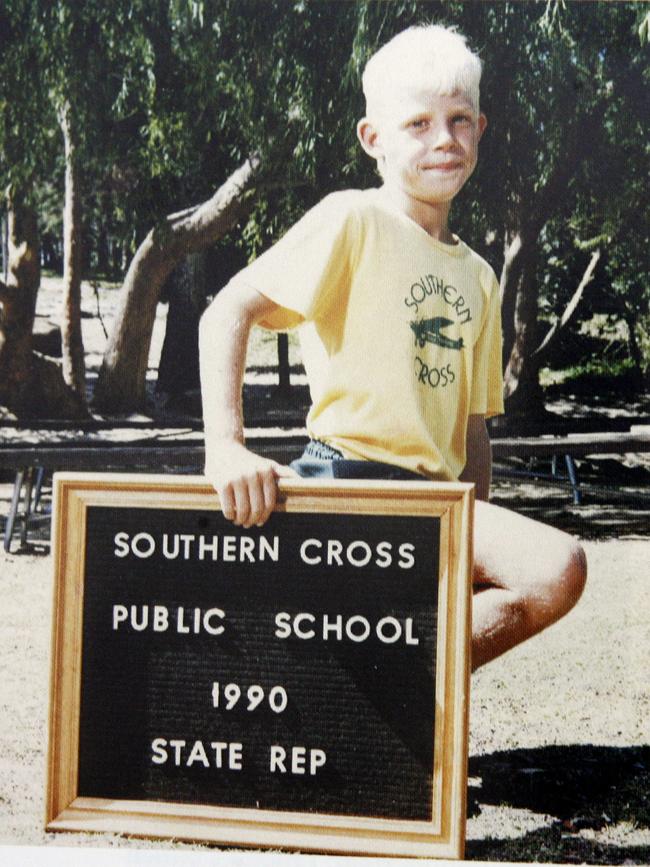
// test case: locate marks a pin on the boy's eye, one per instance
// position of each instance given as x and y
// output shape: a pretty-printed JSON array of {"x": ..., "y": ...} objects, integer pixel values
[
  {"x": 419, "y": 123},
  {"x": 461, "y": 118}
]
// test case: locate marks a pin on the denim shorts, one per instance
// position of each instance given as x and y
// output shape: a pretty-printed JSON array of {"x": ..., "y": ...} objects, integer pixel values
[{"x": 320, "y": 461}]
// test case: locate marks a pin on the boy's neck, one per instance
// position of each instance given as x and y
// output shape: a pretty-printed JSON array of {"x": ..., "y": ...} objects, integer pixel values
[{"x": 432, "y": 217}]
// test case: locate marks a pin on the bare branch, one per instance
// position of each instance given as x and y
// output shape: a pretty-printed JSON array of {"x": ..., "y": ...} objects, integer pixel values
[
  {"x": 205, "y": 218},
  {"x": 121, "y": 382},
  {"x": 571, "y": 307}
]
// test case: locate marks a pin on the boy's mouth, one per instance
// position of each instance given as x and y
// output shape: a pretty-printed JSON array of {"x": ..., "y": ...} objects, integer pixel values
[{"x": 448, "y": 166}]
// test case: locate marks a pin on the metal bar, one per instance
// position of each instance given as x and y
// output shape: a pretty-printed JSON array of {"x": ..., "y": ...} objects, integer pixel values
[
  {"x": 13, "y": 509},
  {"x": 573, "y": 476}
]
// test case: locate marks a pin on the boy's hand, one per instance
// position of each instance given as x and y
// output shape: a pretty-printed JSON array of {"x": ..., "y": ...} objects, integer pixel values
[{"x": 247, "y": 484}]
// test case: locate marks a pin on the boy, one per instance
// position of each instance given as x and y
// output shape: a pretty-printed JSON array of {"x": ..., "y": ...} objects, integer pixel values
[{"x": 400, "y": 336}]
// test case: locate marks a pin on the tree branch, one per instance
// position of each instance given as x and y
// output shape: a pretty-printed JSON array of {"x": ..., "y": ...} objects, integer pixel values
[
  {"x": 571, "y": 307},
  {"x": 201, "y": 219},
  {"x": 121, "y": 381}
]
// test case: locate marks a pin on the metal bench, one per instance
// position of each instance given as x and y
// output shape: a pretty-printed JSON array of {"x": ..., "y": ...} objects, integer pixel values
[
  {"x": 165, "y": 453},
  {"x": 174, "y": 453}
]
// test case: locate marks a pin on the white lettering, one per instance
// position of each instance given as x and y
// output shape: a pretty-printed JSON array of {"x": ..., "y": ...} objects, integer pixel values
[
  {"x": 143, "y": 545},
  {"x": 177, "y": 746},
  {"x": 301, "y": 759},
  {"x": 408, "y": 632},
  {"x": 384, "y": 555},
  {"x": 334, "y": 548},
  {"x": 336, "y": 627},
  {"x": 159, "y": 756},
  {"x": 208, "y": 616},
  {"x": 272, "y": 549},
  {"x": 278, "y": 755},
  {"x": 297, "y": 621},
  {"x": 312, "y": 561},
  {"x": 229, "y": 549},
  {"x": 198, "y": 754},
  {"x": 181, "y": 627},
  {"x": 168, "y": 552},
  {"x": 206, "y": 547},
  {"x": 364, "y": 559},
  {"x": 228, "y": 755},
  {"x": 394, "y": 624},
  {"x": 120, "y": 613},
  {"x": 186, "y": 539},
  {"x": 357, "y": 553},
  {"x": 365, "y": 628},
  {"x": 246, "y": 549},
  {"x": 406, "y": 555},
  {"x": 121, "y": 541},
  {"x": 283, "y": 623},
  {"x": 160, "y": 618},
  {"x": 144, "y": 621},
  {"x": 317, "y": 760}
]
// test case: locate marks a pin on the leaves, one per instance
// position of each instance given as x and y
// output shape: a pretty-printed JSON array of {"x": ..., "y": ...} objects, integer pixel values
[{"x": 171, "y": 95}]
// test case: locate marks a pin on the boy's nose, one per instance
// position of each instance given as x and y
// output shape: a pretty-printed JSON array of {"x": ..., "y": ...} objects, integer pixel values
[{"x": 442, "y": 137}]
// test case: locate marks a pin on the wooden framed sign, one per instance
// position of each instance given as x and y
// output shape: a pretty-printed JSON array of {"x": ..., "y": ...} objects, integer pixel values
[{"x": 303, "y": 685}]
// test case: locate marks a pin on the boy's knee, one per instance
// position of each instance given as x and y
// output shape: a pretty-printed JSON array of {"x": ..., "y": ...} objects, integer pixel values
[
  {"x": 567, "y": 581},
  {"x": 575, "y": 574}
]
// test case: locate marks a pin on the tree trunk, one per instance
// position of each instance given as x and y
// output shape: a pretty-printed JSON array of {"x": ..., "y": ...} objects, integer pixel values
[
  {"x": 72, "y": 348},
  {"x": 18, "y": 299},
  {"x": 522, "y": 392},
  {"x": 30, "y": 384},
  {"x": 122, "y": 379},
  {"x": 178, "y": 371},
  {"x": 519, "y": 299},
  {"x": 519, "y": 289},
  {"x": 641, "y": 372}
]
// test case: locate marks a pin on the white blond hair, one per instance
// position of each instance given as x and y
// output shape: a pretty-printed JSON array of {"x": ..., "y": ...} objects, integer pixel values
[{"x": 424, "y": 54}]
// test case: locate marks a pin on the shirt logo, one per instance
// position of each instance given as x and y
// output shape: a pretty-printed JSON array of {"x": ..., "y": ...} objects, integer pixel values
[{"x": 430, "y": 331}]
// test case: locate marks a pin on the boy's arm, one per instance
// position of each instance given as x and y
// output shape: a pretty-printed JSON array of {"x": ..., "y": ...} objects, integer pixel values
[
  {"x": 478, "y": 468},
  {"x": 246, "y": 483}
]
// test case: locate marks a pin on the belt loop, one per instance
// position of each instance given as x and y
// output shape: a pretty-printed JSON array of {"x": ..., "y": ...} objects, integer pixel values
[{"x": 321, "y": 451}]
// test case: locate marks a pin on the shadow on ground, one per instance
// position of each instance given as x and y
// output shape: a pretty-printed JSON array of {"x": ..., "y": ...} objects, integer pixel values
[
  {"x": 553, "y": 845},
  {"x": 584, "y": 788},
  {"x": 603, "y": 518},
  {"x": 615, "y": 496}
]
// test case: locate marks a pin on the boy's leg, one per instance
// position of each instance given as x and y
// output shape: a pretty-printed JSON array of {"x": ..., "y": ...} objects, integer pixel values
[{"x": 526, "y": 576}]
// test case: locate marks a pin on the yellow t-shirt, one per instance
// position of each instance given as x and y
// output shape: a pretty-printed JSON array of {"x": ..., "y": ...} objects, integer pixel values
[{"x": 400, "y": 334}]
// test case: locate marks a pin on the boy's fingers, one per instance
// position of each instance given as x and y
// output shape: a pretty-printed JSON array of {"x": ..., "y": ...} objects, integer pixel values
[
  {"x": 227, "y": 501},
  {"x": 242, "y": 502},
  {"x": 256, "y": 499},
  {"x": 270, "y": 489},
  {"x": 249, "y": 497}
]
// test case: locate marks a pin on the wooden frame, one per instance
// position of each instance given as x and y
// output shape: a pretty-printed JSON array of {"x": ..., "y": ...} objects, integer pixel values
[{"x": 439, "y": 835}]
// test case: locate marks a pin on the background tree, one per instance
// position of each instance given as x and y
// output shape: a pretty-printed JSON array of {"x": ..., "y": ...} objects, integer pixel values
[
  {"x": 29, "y": 383},
  {"x": 261, "y": 104},
  {"x": 169, "y": 99},
  {"x": 554, "y": 82}
]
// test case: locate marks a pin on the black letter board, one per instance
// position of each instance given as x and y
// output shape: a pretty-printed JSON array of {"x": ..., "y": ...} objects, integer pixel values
[{"x": 290, "y": 682}]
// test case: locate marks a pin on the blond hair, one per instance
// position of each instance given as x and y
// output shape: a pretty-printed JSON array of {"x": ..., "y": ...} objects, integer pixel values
[{"x": 424, "y": 54}]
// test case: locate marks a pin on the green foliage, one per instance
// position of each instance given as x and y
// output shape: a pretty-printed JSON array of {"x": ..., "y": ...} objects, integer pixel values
[{"x": 171, "y": 95}]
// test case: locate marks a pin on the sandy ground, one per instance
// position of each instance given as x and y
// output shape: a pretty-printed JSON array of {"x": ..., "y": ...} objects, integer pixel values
[
  {"x": 559, "y": 767},
  {"x": 559, "y": 757}
]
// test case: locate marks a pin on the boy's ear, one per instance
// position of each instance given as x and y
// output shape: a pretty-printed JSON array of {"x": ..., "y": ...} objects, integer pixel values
[
  {"x": 368, "y": 135},
  {"x": 482, "y": 124}
]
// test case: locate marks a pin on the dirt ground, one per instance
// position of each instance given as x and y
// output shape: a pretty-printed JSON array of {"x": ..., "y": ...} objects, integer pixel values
[{"x": 559, "y": 757}]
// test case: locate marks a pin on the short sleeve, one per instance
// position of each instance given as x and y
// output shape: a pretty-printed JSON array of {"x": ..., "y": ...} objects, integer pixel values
[
  {"x": 487, "y": 381},
  {"x": 302, "y": 271}
]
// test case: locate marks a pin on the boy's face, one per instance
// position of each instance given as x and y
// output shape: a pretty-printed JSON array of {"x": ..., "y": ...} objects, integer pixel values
[{"x": 426, "y": 142}]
